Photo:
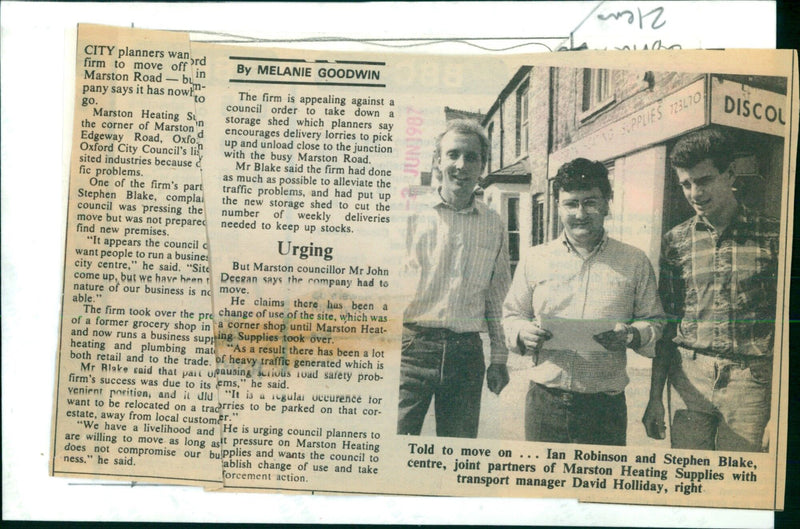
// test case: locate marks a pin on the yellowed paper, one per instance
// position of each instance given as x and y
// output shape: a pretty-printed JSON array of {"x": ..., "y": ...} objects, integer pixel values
[
  {"x": 312, "y": 164},
  {"x": 305, "y": 269},
  {"x": 136, "y": 393}
]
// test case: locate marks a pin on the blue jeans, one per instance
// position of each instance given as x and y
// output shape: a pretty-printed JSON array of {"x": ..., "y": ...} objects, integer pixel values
[
  {"x": 448, "y": 366},
  {"x": 719, "y": 403},
  {"x": 558, "y": 416}
]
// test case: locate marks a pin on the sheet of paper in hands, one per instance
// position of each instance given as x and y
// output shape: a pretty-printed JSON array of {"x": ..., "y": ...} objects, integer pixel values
[
  {"x": 574, "y": 334},
  {"x": 313, "y": 226}
]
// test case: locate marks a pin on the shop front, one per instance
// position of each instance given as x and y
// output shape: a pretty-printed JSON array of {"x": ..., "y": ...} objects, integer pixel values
[{"x": 647, "y": 200}]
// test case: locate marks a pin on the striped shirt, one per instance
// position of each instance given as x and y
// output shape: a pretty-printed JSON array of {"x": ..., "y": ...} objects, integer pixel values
[
  {"x": 719, "y": 291},
  {"x": 457, "y": 263},
  {"x": 615, "y": 283}
]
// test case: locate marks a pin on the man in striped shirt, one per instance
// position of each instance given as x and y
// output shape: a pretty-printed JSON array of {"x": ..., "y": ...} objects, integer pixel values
[
  {"x": 718, "y": 285},
  {"x": 578, "y": 396},
  {"x": 457, "y": 265}
]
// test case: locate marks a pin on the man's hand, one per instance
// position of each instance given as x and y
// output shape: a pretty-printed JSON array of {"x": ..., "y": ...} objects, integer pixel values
[
  {"x": 496, "y": 377},
  {"x": 654, "y": 419},
  {"x": 620, "y": 338},
  {"x": 621, "y": 334},
  {"x": 532, "y": 337}
]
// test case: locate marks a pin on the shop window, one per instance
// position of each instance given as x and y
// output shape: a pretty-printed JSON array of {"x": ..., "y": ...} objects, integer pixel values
[
  {"x": 522, "y": 120},
  {"x": 749, "y": 185},
  {"x": 597, "y": 93}
]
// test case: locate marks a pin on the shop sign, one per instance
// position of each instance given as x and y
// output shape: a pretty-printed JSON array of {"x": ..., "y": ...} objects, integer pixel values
[{"x": 745, "y": 107}]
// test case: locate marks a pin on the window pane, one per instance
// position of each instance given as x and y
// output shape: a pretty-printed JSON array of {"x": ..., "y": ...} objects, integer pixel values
[
  {"x": 539, "y": 222},
  {"x": 586, "y": 102},
  {"x": 521, "y": 120},
  {"x": 513, "y": 214},
  {"x": 524, "y": 146},
  {"x": 603, "y": 85},
  {"x": 513, "y": 246},
  {"x": 596, "y": 88}
]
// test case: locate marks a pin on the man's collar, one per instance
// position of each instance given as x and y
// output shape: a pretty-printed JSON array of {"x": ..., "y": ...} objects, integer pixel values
[
  {"x": 435, "y": 200},
  {"x": 571, "y": 247},
  {"x": 743, "y": 216}
]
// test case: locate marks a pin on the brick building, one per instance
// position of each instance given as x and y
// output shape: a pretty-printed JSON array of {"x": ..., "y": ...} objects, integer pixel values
[
  {"x": 515, "y": 183},
  {"x": 629, "y": 120}
]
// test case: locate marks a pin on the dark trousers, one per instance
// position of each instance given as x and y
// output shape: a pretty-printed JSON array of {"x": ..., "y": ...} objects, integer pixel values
[
  {"x": 557, "y": 416},
  {"x": 446, "y": 366}
]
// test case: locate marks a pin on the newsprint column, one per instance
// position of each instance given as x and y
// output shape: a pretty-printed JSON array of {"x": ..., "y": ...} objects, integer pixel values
[{"x": 136, "y": 389}]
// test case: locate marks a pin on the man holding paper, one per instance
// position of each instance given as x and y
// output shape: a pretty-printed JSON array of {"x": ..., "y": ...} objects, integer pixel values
[
  {"x": 457, "y": 262},
  {"x": 575, "y": 305}
]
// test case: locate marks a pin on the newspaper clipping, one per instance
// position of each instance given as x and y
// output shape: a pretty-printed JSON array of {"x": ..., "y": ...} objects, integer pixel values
[
  {"x": 538, "y": 276},
  {"x": 136, "y": 385}
]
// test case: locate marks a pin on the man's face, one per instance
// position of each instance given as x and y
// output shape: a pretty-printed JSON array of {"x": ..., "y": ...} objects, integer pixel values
[
  {"x": 582, "y": 212},
  {"x": 708, "y": 191},
  {"x": 460, "y": 165}
]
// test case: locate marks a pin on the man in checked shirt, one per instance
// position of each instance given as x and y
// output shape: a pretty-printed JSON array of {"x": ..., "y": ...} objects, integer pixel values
[
  {"x": 718, "y": 285},
  {"x": 579, "y": 396},
  {"x": 458, "y": 266}
]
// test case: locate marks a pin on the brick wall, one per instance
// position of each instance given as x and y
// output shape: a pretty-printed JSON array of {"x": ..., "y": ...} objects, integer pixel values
[
  {"x": 630, "y": 95},
  {"x": 539, "y": 127}
]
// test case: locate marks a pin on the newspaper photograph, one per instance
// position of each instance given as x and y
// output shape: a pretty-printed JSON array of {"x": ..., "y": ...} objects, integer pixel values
[{"x": 552, "y": 275}]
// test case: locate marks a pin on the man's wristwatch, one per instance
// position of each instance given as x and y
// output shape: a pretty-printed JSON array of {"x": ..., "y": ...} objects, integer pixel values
[
  {"x": 630, "y": 334},
  {"x": 633, "y": 339}
]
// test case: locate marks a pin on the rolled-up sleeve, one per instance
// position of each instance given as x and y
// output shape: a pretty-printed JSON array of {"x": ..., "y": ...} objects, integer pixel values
[{"x": 648, "y": 316}]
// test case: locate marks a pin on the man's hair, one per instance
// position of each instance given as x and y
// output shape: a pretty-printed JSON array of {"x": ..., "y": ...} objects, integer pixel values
[
  {"x": 582, "y": 175},
  {"x": 464, "y": 126},
  {"x": 711, "y": 143}
]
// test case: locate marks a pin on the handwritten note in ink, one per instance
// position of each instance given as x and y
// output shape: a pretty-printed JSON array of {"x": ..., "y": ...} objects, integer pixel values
[{"x": 677, "y": 25}]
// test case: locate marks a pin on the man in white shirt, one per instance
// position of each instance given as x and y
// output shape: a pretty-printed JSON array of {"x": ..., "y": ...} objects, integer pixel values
[
  {"x": 457, "y": 260},
  {"x": 579, "y": 396}
]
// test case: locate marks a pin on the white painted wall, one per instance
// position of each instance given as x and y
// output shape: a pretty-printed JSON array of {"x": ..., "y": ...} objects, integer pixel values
[{"x": 636, "y": 211}]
